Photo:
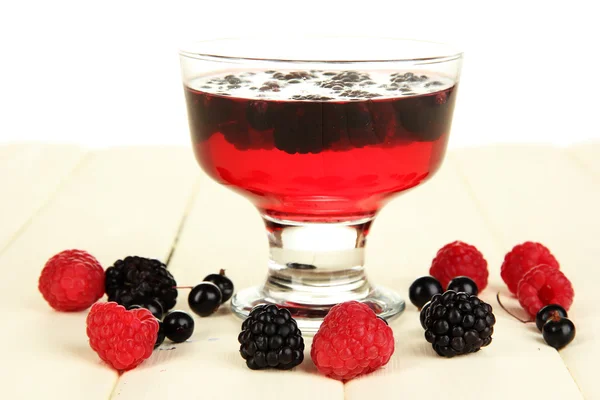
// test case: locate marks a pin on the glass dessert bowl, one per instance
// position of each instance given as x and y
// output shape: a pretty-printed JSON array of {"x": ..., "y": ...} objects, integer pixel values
[{"x": 319, "y": 133}]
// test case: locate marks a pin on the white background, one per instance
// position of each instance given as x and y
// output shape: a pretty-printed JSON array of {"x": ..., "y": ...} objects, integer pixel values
[{"x": 107, "y": 72}]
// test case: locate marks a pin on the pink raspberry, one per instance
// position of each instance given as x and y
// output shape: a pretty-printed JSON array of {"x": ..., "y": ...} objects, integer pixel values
[
  {"x": 459, "y": 259},
  {"x": 122, "y": 338},
  {"x": 351, "y": 341},
  {"x": 72, "y": 280},
  {"x": 521, "y": 259},
  {"x": 544, "y": 285}
]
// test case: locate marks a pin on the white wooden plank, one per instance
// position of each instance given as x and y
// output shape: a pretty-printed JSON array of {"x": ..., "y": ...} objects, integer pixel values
[
  {"x": 588, "y": 154},
  {"x": 29, "y": 175},
  {"x": 542, "y": 194},
  {"x": 119, "y": 202}
]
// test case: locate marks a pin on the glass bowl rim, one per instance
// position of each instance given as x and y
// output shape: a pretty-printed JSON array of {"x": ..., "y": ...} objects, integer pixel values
[{"x": 451, "y": 55}]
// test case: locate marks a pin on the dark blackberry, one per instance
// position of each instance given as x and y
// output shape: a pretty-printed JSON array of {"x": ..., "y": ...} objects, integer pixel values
[
  {"x": 235, "y": 127},
  {"x": 351, "y": 76},
  {"x": 359, "y": 120},
  {"x": 434, "y": 83},
  {"x": 299, "y": 130},
  {"x": 270, "y": 338},
  {"x": 270, "y": 86},
  {"x": 134, "y": 280},
  {"x": 335, "y": 124},
  {"x": 310, "y": 97},
  {"x": 233, "y": 80},
  {"x": 426, "y": 117},
  {"x": 259, "y": 115},
  {"x": 359, "y": 94},
  {"x": 423, "y": 314},
  {"x": 409, "y": 77},
  {"x": 458, "y": 323}
]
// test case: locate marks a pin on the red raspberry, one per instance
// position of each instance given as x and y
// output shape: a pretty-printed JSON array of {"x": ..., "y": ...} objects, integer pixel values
[
  {"x": 72, "y": 280},
  {"x": 544, "y": 285},
  {"x": 459, "y": 259},
  {"x": 351, "y": 341},
  {"x": 521, "y": 259},
  {"x": 122, "y": 338}
]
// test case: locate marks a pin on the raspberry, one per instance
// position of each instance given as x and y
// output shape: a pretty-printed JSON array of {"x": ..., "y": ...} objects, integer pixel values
[
  {"x": 544, "y": 285},
  {"x": 351, "y": 341},
  {"x": 459, "y": 259},
  {"x": 72, "y": 280},
  {"x": 121, "y": 338},
  {"x": 521, "y": 259}
]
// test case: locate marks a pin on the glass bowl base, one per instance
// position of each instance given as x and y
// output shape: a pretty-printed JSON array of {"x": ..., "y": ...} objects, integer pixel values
[{"x": 386, "y": 303}]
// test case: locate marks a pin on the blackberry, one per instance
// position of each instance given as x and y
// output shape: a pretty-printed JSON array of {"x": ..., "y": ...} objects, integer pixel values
[
  {"x": 270, "y": 338},
  {"x": 458, "y": 323},
  {"x": 259, "y": 115},
  {"x": 426, "y": 117},
  {"x": 299, "y": 131},
  {"x": 423, "y": 314},
  {"x": 134, "y": 280}
]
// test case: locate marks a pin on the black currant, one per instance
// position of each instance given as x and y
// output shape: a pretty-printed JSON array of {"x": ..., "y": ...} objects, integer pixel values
[
  {"x": 421, "y": 290},
  {"x": 178, "y": 326},
  {"x": 547, "y": 312},
  {"x": 160, "y": 338},
  {"x": 205, "y": 298},
  {"x": 558, "y": 332},
  {"x": 224, "y": 284},
  {"x": 154, "y": 306},
  {"x": 463, "y": 284}
]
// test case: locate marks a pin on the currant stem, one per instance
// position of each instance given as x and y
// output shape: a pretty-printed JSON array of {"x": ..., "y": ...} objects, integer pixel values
[
  {"x": 222, "y": 272},
  {"x": 554, "y": 316},
  {"x": 509, "y": 313}
]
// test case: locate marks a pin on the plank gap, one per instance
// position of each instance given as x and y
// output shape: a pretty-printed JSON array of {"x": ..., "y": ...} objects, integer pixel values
[
  {"x": 184, "y": 217},
  {"x": 48, "y": 200}
]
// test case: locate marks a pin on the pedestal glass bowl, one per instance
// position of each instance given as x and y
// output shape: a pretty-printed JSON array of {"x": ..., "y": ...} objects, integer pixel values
[{"x": 319, "y": 133}]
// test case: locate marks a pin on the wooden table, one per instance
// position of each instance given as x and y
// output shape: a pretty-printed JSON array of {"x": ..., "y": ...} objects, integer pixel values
[{"x": 155, "y": 202}]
